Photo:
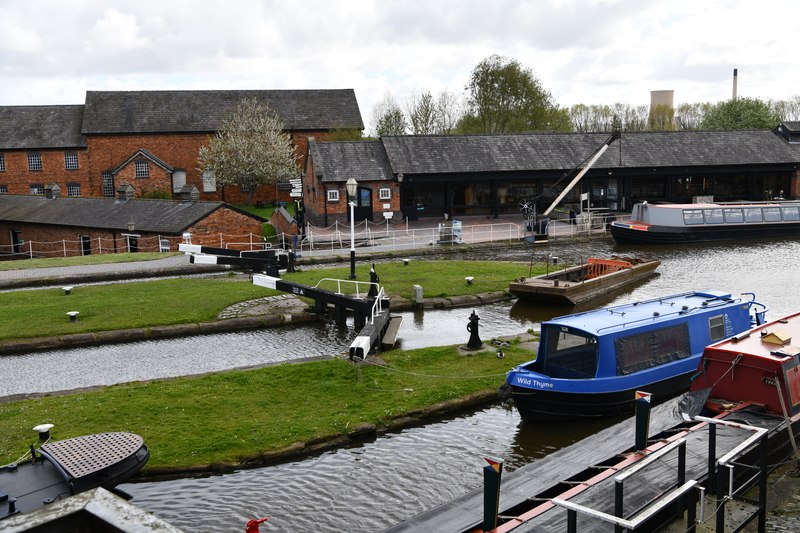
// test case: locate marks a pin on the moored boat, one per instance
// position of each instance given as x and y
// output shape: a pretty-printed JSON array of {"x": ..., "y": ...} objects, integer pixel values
[
  {"x": 590, "y": 364},
  {"x": 676, "y": 223},
  {"x": 59, "y": 469},
  {"x": 584, "y": 282},
  {"x": 760, "y": 366}
]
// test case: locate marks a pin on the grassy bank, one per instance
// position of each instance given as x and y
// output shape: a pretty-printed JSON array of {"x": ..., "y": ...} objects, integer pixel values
[
  {"x": 39, "y": 313},
  {"x": 238, "y": 417},
  {"x": 97, "y": 259}
]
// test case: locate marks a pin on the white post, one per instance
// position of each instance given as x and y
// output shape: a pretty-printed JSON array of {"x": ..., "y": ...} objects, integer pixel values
[
  {"x": 352, "y": 241},
  {"x": 64, "y": 246}
]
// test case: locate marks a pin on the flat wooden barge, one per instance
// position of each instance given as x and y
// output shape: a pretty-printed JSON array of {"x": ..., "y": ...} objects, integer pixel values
[{"x": 582, "y": 283}]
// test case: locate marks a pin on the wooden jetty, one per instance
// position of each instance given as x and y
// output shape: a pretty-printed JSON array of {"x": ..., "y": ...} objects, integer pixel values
[{"x": 715, "y": 452}]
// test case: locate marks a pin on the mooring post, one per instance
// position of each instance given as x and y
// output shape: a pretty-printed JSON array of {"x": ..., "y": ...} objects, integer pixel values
[
  {"x": 720, "y": 523},
  {"x": 712, "y": 457},
  {"x": 491, "y": 493},
  {"x": 642, "y": 405},
  {"x": 474, "y": 337}
]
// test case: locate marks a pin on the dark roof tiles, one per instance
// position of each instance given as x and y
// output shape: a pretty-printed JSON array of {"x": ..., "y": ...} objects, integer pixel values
[
  {"x": 203, "y": 111},
  {"x": 151, "y": 216},
  {"x": 555, "y": 151},
  {"x": 41, "y": 127},
  {"x": 339, "y": 161}
]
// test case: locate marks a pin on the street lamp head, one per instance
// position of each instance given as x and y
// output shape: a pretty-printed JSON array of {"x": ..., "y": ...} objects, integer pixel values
[
  {"x": 400, "y": 177},
  {"x": 131, "y": 226},
  {"x": 352, "y": 187}
]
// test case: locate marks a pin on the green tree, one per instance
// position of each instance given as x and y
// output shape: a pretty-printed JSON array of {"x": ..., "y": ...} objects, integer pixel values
[
  {"x": 740, "y": 114},
  {"x": 388, "y": 118},
  {"x": 422, "y": 113},
  {"x": 505, "y": 97},
  {"x": 249, "y": 149},
  {"x": 661, "y": 118}
]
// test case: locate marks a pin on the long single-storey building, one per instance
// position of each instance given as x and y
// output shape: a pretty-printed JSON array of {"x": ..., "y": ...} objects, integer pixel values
[
  {"x": 52, "y": 225},
  {"x": 403, "y": 177}
]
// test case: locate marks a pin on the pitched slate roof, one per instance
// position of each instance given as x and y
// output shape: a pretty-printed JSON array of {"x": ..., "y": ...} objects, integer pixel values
[
  {"x": 151, "y": 216},
  {"x": 562, "y": 151},
  {"x": 40, "y": 127},
  {"x": 339, "y": 161},
  {"x": 203, "y": 111}
]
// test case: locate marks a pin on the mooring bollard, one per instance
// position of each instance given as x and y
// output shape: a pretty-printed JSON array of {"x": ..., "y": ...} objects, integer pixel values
[
  {"x": 475, "y": 341},
  {"x": 469, "y": 280},
  {"x": 73, "y": 316},
  {"x": 67, "y": 290},
  {"x": 406, "y": 261}
]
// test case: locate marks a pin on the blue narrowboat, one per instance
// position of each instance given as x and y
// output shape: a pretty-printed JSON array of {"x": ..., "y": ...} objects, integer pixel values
[{"x": 590, "y": 364}]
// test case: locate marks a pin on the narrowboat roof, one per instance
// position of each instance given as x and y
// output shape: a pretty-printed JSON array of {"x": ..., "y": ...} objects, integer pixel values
[
  {"x": 774, "y": 340},
  {"x": 640, "y": 314},
  {"x": 721, "y": 205}
]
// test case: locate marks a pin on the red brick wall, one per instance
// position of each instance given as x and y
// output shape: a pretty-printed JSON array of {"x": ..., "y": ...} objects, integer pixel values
[
  {"x": 321, "y": 212},
  {"x": 18, "y": 179},
  {"x": 105, "y": 152},
  {"x": 223, "y": 227}
]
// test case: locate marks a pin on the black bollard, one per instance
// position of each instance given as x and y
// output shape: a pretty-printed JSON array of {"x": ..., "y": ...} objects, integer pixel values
[
  {"x": 475, "y": 341},
  {"x": 373, "y": 287}
]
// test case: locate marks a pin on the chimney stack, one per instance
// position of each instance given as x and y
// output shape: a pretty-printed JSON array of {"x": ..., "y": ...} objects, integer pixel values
[{"x": 735, "y": 79}]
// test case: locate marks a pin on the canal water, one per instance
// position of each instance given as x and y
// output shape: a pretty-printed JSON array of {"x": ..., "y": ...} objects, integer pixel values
[{"x": 374, "y": 484}]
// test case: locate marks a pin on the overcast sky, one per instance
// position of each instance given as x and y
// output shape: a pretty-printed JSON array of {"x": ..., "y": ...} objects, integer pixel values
[{"x": 582, "y": 51}]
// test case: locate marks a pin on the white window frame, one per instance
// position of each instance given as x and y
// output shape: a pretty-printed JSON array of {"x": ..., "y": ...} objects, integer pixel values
[
  {"x": 34, "y": 161},
  {"x": 333, "y": 195},
  {"x": 178, "y": 180},
  {"x": 209, "y": 181},
  {"x": 73, "y": 189},
  {"x": 385, "y": 194},
  {"x": 107, "y": 181},
  {"x": 37, "y": 188},
  {"x": 3, "y": 188},
  {"x": 142, "y": 167},
  {"x": 2, "y": 162},
  {"x": 71, "y": 160}
]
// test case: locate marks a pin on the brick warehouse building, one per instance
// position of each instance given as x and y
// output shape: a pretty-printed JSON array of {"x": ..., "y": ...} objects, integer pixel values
[
  {"x": 50, "y": 225},
  {"x": 149, "y": 139},
  {"x": 415, "y": 176}
]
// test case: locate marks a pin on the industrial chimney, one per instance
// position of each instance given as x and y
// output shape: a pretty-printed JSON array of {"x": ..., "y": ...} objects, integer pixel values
[{"x": 735, "y": 79}]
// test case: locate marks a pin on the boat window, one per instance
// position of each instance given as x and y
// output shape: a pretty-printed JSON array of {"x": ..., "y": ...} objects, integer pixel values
[
  {"x": 716, "y": 327},
  {"x": 713, "y": 216},
  {"x": 772, "y": 214},
  {"x": 753, "y": 214},
  {"x": 569, "y": 353},
  {"x": 652, "y": 348},
  {"x": 692, "y": 216},
  {"x": 733, "y": 215},
  {"x": 791, "y": 213}
]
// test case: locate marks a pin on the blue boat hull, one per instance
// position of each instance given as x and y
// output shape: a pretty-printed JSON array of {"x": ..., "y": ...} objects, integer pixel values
[{"x": 540, "y": 405}]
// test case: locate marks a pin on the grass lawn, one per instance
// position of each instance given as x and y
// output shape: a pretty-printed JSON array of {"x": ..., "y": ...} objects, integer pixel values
[
  {"x": 41, "y": 313},
  {"x": 38, "y": 313},
  {"x": 96, "y": 259},
  {"x": 234, "y": 416}
]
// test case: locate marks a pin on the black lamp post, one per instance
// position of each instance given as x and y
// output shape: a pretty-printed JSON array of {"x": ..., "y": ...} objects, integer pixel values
[{"x": 352, "y": 188}]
